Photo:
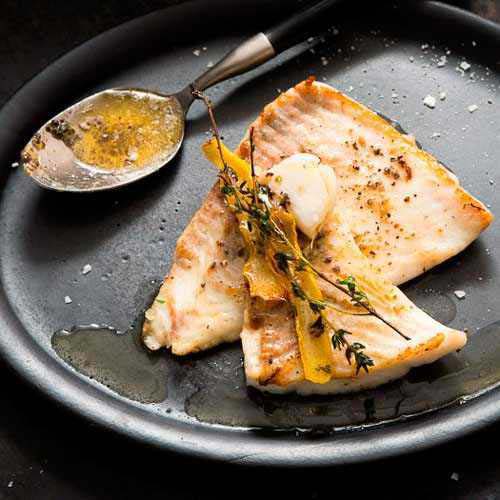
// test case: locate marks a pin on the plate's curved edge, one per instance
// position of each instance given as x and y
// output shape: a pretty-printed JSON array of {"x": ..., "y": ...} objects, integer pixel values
[{"x": 203, "y": 441}]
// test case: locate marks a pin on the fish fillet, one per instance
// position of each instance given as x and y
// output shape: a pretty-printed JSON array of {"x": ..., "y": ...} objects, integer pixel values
[
  {"x": 272, "y": 357},
  {"x": 408, "y": 213}
]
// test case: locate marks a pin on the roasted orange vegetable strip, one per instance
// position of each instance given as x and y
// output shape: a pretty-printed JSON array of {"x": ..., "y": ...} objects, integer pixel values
[
  {"x": 267, "y": 282},
  {"x": 315, "y": 346},
  {"x": 261, "y": 279}
]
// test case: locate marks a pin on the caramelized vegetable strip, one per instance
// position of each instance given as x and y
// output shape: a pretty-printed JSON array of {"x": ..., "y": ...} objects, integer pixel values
[
  {"x": 261, "y": 279},
  {"x": 314, "y": 342},
  {"x": 268, "y": 280}
]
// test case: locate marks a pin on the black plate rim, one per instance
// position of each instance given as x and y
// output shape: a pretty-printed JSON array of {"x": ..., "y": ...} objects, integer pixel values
[{"x": 234, "y": 445}]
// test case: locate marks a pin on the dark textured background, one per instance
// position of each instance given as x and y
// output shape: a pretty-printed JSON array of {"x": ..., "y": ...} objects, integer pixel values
[{"x": 46, "y": 453}]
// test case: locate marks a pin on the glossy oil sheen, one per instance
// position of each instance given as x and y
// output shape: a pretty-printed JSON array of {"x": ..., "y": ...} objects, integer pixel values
[
  {"x": 128, "y": 236},
  {"x": 126, "y": 130},
  {"x": 117, "y": 360},
  {"x": 452, "y": 380}
]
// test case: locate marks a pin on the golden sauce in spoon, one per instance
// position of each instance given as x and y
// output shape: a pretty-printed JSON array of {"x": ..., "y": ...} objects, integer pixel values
[{"x": 126, "y": 130}]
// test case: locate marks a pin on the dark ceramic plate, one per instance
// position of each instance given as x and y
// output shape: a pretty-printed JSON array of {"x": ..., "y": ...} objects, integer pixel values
[{"x": 200, "y": 405}]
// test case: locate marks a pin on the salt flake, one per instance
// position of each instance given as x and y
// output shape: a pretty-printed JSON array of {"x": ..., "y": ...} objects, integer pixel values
[
  {"x": 133, "y": 155},
  {"x": 430, "y": 101},
  {"x": 86, "y": 269},
  {"x": 460, "y": 294},
  {"x": 68, "y": 299},
  {"x": 442, "y": 61}
]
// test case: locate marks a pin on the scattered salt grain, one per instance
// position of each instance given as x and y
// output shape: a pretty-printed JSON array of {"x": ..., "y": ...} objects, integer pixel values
[
  {"x": 68, "y": 299},
  {"x": 412, "y": 58},
  {"x": 435, "y": 135},
  {"x": 210, "y": 64},
  {"x": 442, "y": 96},
  {"x": 14, "y": 164},
  {"x": 455, "y": 476},
  {"x": 11, "y": 483},
  {"x": 86, "y": 269},
  {"x": 204, "y": 49},
  {"x": 472, "y": 108},
  {"x": 460, "y": 294},
  {"x": 430, "y": 101},
  {"x": 133, "y": 155},
  {"x": 425, "y": 46},
  {"x": 196, "y": 52},
  {"x": 465, "y": 66},
  {"x": 310, "y": 39},
  {"x": 442, "y": 61}
]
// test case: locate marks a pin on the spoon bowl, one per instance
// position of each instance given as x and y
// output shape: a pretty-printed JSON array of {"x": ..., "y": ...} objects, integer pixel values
[
  {"x": 78, "y": 151},
  {"x": 118, "y": 136}
]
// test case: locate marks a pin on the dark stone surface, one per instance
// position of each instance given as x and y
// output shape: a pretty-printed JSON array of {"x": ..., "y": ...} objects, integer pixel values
[{"x": 46, "y": 453}]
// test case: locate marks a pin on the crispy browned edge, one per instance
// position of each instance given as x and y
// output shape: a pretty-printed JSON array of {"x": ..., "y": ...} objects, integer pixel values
[{"x": 310, "y": 87}]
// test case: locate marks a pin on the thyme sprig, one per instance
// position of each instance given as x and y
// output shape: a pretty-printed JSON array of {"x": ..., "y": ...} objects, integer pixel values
[
  {"x": 358, "y": 297},
  {"x": 339, "y": 341},
  {"x": 254, "y": 202}
]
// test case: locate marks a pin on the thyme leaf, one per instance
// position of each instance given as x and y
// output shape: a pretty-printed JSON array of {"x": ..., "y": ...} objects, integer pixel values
[
  {"x": 358, "y": 297},
  {"x": 362, "y": 361}
]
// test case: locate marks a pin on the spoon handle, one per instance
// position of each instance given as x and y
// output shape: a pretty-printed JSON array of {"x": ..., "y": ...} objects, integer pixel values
[
  {"x": 264, "y": 46},
  {"x": 298, "y": 27},
  {"x": 251, "y": 53}
]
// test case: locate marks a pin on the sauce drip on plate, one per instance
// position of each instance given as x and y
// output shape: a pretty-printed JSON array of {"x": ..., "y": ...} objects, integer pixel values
[{"x": 116, "y": 360}]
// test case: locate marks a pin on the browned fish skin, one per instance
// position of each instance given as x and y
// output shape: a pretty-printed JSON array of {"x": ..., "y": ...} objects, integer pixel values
[
  {"x": 200, "y": 303},
  {"x": 272, "y": 360},
  {"x": 407, "y": 213}
]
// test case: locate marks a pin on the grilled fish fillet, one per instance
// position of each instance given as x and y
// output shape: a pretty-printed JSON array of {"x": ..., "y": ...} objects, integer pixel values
[
  {"x": 408, "y": 213},
  {"x": 272, "y": 357}
]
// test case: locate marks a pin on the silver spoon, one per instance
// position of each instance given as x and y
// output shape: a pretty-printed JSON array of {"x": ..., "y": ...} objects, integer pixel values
[{"x": 118, "y": 136}]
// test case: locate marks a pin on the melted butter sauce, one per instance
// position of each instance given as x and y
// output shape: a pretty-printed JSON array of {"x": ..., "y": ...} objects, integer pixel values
[
  {"x": 211, "y": 388},
  {"x": 221, "y": 397},
  {"x": 128, "y": 129},
  {"x": 116, "y": 360}
]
